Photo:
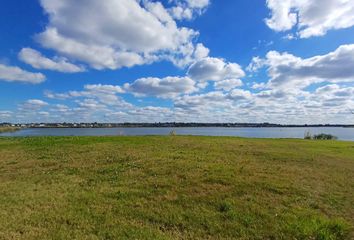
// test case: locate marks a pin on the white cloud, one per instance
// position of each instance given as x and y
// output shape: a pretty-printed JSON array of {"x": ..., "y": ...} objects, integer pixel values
[
  {"x": 256, "y": 85},
  {"x": 240, "y": 94},
  {"x": 113, "y": 34},
  {"x": 217, "y": 100},
  {"x": 32, "y": 105},
  {"x": 274, "y": 94},
  {"x": 105, "y": 89},
  {"x": 180, "y": 13},
  {"x": 255, "y": 64},
  {"x": 5, "y": 115},
  {"x": 107, "y": 94},
  {"x": 335, "y": 90},
  {"x": 311, "y": 17},
  {"x": 198, "y": 3},
  {"x": 288, "y": 71},
  {"x": 188, "y": 54},
  {"x": 97, "y": 56},
  {"x": 214, "y": 69},
  {"x": 201, "y": 51},
  {"x": 334, "y": 95},
  {"x": 38, "y": 61},
  {"x": 168, "y": 87},
  {"x": 36, "y": 102},
  {"x": 16, "y": 74},
  {"x": 289, "y": 37},
  {"x": 228, "y": 84},
  {"x": 187, "y": 9},
  {"x": 330, "y": 103},
  {"x": 201, "y": 102},
  {"x": 90, "y": 104},
  {"x": 44, "y": 113},
  {"x": 281, "y": 17},
  {"x": 145, "y": 114}
]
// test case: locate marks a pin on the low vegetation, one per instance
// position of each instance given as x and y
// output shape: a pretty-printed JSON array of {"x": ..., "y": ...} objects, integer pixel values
[
  {"x": 8, "y": 129},
  {"x": 176, "y": 187},
  {"x": 173, "y": 133},
  {"x": 321, "y": 136}
]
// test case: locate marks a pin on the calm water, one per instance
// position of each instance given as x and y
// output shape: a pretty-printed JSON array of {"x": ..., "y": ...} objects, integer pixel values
[{"x": 341, "y": 133}]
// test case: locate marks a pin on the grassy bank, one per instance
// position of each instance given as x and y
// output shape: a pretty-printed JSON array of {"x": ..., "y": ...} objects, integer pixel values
[
  {"x": 8, "y": 129},
  {"x": 175, "y": 188}
]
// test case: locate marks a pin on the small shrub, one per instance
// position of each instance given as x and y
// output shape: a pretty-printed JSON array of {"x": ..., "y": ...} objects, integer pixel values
[
  {"x": 224, "y": 207},
  {"x": 173, "y": 133},
  {"x": 323, "y": 136},
  {"x": 308, "y": 135}
]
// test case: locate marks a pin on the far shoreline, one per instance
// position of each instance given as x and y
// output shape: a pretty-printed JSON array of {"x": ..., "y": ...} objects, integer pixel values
[{"x": 64, "y": 125}]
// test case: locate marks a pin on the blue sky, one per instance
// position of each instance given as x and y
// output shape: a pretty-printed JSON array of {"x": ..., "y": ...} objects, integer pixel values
[{"x": 177, "y": 60}]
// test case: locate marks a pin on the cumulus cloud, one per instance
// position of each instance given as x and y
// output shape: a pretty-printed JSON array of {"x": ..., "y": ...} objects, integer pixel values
[
  {"x": 105, "y": 89},
  {"x": 334, "y": 95},
  {"x": 240, "y": 94},
  {"x": 201, "y": 51},
  {"x": 273, "y": 94},
  {"x": 288, "y": 71},
  {"x": 90, "y": 104},
  {"x": 97, "y": 56},
  {"x": 180, "y": 13},
  {"x": 200, "y": 102},
  {"x": 188, "y": 55},
  {"x": 5, "y": 115},
  {"x": 106, "y": 94},
  {"x": 33, "y": 105},
  {"x": 151, "y": 112},
  {"x": 38, "y": 61},
  {"x": 115, "y": 34},
  {"x": 198, "y": 3},
  {"x": 228, "y": 84},
  {"x": 329, "y": 103},
  {"x": 214, "y": 69},
  {"x": 311, "y": 17},
  {"x": 215, "y": 100},
  {"x": 16, "y": 74},
  {"x": 168, "y": 87},
  {"x": 187, "y": 9},
  {"x": 255, "y": 64}
]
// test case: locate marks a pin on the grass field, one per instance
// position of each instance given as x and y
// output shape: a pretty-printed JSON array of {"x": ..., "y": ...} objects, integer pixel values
[{"x": 175, "y": 187}]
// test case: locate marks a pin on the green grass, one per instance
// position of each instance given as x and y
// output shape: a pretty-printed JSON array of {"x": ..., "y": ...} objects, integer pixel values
[{"x": 175, "y": 187}]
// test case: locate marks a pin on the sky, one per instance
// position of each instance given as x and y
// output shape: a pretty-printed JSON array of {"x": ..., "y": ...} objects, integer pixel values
[{"x": 279, "y": 61}]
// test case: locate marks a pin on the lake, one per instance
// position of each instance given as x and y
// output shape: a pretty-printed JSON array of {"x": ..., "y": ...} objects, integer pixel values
[{"x": 341, "y": 133}]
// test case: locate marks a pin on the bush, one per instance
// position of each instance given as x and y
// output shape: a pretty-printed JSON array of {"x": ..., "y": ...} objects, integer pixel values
[
  {"x": 173, "y": 133},
  {"x": 308, "y": 135},
  {"x": 321, "y": 136}
]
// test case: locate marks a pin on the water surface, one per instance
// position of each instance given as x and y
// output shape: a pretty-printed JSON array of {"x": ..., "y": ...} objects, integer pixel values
[{"x": 341, "y": 133}]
